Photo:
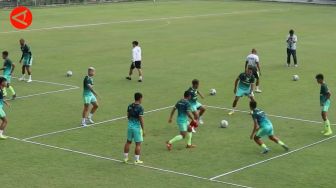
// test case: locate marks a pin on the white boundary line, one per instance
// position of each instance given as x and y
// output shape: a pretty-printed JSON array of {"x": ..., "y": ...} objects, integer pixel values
[
  {"x": 98, "y": 123},
  {"x": 272, "y": 158},
  {"x": 143, "y": 20},
  {"x": 271, "y": 115},
  {"x": 119, "y": 161},
  {"x": 44, "y": 93}
]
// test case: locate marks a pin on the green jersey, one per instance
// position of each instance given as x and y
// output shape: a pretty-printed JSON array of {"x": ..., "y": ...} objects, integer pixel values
[
  {"x": 245, "y": 81},
  {"x": 8, "y": 65},
  {"x": 324, "y": 92},
  {"x": 26, "y": 53},
  {"x": 194, "y": 94},
  {"x": 134, "y": 112},
  {"x": 86, "y": 85},
  {"x": 261, "y": 118},
  {"x": 1, "y": 98},
  {"x": 183, "y": 107}
]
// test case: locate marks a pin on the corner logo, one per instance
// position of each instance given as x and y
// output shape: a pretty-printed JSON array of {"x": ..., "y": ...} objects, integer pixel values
[{"x": 21, "y": 17}]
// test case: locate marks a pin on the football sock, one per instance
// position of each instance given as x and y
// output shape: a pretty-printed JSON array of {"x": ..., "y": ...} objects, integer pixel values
[
  {"x": 11, "y": 89},
  {"x": 263, "y": 146},
  {"x": 280, "y": 142},
  {"x": 137, "y": 157},
  {"x": 176, "y": 138},
  {"x": 83, "y": 121},
  {"x": 90, "y": 115},
  {"x": 327, "y": 125},
  {"x": 189, "y": 136},
  {"x": 1, "y": 132},
  {"x": 30, "y": 77},
  {"x": 4, "y": 92},
  {"x": 140, "y": 77},
  {"x": 126, "y": 155}
]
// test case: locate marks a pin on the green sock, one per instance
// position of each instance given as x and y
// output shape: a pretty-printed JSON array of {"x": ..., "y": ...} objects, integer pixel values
[
  {"x": 4, "y": 92},
  {"x": 176, "y": 138},
  {"x": 11, "y": 89},
  {"x": 189, "y": 136},
  {"x": 263, "y": 146},
  {"x": 281, "y": 143},
  {"x": 327, "y": 125}
]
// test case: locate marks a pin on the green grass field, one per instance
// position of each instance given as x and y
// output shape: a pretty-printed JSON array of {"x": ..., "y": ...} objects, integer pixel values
[{"x": 181, "y": 40}]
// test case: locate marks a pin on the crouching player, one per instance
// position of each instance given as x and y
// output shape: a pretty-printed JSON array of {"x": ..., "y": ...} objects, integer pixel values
[
  {"x": 196, "y": 108},
  {"x": 325, "y": 104},
  {"x": 3, "y": 84},
  {"x": 136, "y": 129},
  {"x": 263, "y": 127},
  {"x": 184, "y": 111}
]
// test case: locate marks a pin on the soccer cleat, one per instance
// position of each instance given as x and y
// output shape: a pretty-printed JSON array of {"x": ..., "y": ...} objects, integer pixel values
[
  {"x": 139, "y": 80},
  {"x": 84, "y": 125},
  {"x": 126, "y": 160},
  {"x": 128, "y": 78},
  {"x": 21, "y": 79},
  {"x": 138, "y": 162},
  {"x": 29, "y": 80},
  {"x": 193, "y": 130},
  {"x": 232, "y": 112},
  {"x": 200, "y": 121},
  {"x": 296, "y": 65},
  {"x": 14, "y": 97},
  {"x": 169, "y": 146},
  {"x": 285, "y": 147},
  {"x": 265, "y": 151},
  {"x": 258, "y": 91},
  {"x": 90, "y": 120},
  {"x": 328, "y": 133},
  {"x": 191, "y": 146},
  {"x": 3, "y": 137}
]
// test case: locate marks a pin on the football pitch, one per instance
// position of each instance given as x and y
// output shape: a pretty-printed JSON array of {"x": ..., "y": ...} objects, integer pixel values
[{"x": 181, "y": 40}]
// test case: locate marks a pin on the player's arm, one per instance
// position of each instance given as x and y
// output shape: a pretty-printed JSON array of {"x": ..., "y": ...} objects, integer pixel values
[
  {"x": 171, "y": 115},
  {"x": 92, "y": 90},
  {"x": 141, "y": 119},
  {"x": 6, "y": 103},
  {"x": 246, "y": 62},
  {"x": 259, "y": 70},
  {"x": 255, "y": 128},
  {"x": 252, "y": 87},
  {"x": 328, "y": 95},
  {"x": 190, "y": 116},
  {"x": 133, "y": 55},
  {"x": 200, "y": 94},
  {"x": 235, "y": 85},
  {"x": 13, "y": 67}
]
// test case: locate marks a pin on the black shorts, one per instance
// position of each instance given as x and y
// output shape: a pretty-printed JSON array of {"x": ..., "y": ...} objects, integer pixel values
[
  {"x": 256, "y": 74},
  {"x": 136, "y": 64}
]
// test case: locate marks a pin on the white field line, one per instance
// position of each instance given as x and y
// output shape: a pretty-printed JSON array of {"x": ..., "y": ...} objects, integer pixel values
[
  {"x": 143, "y": 20},
  {"x": 44, "y": 93},
  {"x": 98, "y": 123},
  {"x": 52, "y": 83},
  {"x": 119, "y": 161},
  {"x": 272, "y": 158},
  {"x": 271, "y": 115}
]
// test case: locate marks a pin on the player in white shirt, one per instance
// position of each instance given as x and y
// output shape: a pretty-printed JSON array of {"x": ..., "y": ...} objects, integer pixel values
[
  {"x": 252, "y": 60},
  {"x": 291, "y": 47},
  {"x": 136, "y": 61}
]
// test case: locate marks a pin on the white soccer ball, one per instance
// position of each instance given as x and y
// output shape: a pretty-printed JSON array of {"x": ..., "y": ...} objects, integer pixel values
[
  {"x": 69, "y": 73},
  {"x": 296, "y": 77},
  {"x": 224, "y": 124},
  {"x": 213, "y": 91}
]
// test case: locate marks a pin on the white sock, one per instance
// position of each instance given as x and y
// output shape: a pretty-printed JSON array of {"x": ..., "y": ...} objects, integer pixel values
[
  {"x": 257, "y": 88},
  {"x": 137, "y": 157},
  {"x": 126, "y": 155},
  {"x": 30, "y": 77},
  {"x": 1, "y": 131},
  {"x": 233, "y": 109},
  {"x": 83, "y": 121},
  {"x": 23, "y": 75},
  {"x": 90, "y": 116},
  {"x": 140, "y": 77}
]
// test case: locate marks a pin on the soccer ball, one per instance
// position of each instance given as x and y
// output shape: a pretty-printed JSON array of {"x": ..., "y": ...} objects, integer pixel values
[
  {"x": 296, "y": 77},
  {"x": 224, "y": 124},
  {"x": 69, "y": 73},
  {"x": 213, "y": 91}
]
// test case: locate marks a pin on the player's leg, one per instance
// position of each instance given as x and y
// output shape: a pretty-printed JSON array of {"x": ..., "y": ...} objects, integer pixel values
[
  {"x": 138, "y": 67},
  {"x": 94, "y": 108},
  {"x": 256, "y": 75},
  {"x": 12, "y": 91},
  {"x": 177, "y": 138},
  {"x": 126, "y": 150},
  {"x": 278, "y": 141},
  {"x": 29, "y": 71},
  {"x": 257, "y": 138},
  {"x": 201, "y": 110},
  {"x": 234, "y": 105},
  {"x": 23, "y": 70},
  {"x": 85, "y": 113},
  {"x": 130, "y": 71},
  {"x": 288, "y": 57},
  {"x": 138, "y": 139},
  {"x": 189, "y": 136},
  {"x": 294, "y": 58},
  {"x": 327, "y": 128},
  {"x": 140, "y": 75},
  {"x": 195, "y": 113},
  {"x": 3, "y": 124}
]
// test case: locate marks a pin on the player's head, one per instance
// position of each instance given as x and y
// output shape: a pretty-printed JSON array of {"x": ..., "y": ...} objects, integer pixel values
[
  {"x": 3, "y": 82},
  {"x": 249, "y": 70},
  {"x": 291, "y": 32},
  {"x": 319, "y": 78},
  {"x": 195, "y": 83},
  {"x": 91, "y": 71},
  {"x": 135, "y": 43},
  {"x": 22, "y": 42},
  {"x": 187, "y": 95},
  {"x": 253, "y": 105},
  {"x": 4, "y": 54},
  {"x": 138, "y": 97},
  {"x": 254, "y": 51}
]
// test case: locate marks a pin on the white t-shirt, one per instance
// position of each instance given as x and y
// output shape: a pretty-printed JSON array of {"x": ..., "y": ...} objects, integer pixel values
[
  {"x": 291, "y": 42},
  {"x": 252, "y": 60},
  {"x": 136, "y": 54}
]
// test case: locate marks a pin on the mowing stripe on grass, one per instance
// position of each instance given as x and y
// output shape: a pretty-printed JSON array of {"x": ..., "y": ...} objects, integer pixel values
[
  {"x": 119, "y": 161},
  {"x": 271, "y": 115},
  {"x": 272, "y": 158},
  {"x": 144, "y": 20},
  {"x": 98, "y": 123}
]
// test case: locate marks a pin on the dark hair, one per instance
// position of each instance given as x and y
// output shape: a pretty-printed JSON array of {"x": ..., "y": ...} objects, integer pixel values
[
  {"x": 253, "y": 104},
  {"x": 2, "y": 79},
  {"x": 137, "y": 96},
  {"x": 291, "y": 31},
  {"x": 319, "y": 77},
  {"x": 187, "y": 94},
  {"x": 136, "y": 43},
  {"x": 250, "y": 67},
  {"x": 5, "y": 53},
  {"x": 195, "y": 82},
  {"x": 254, "y": 50}
]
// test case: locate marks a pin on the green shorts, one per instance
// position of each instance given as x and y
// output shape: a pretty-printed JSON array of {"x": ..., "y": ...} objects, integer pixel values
[
  {"x": 8, "y": 78},
  {"x": 325, "y": 107},
  {"x": 88, "y": 99},
  {"x": 243, "y": 92},
  {"x": 134, "y": 134},
  {"x": 2, "y": 113},
  {"x": 182, "y": 124},
  {"x": 195, "y": 106},
  {"x": 27, "y": 61},
  {"x": 262, "y": 132}
]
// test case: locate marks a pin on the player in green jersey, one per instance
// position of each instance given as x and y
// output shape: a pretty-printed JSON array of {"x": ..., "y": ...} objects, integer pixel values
[
  {"x": 183, "y": 108},
  {"x": 324, "y": 103},
  {"x": 136, "y": 129},
  {"x": 8, "y": 69},
  {"x": 3, "y": 84},
  {"x": 196, "y": 107},
  {"x": 90, "y": 97},
  {"x": 244, "y": 86},
  {"x": 26, "y": 60},
  {"x": 263, "y": 127}
]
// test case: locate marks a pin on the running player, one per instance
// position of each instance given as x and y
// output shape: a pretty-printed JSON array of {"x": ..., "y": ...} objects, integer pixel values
[
  {"x": 244, "y": 86},
  {"x": 136, "y": 129},
  {"x": 253, "y": 61},
  {"x": 263, "y": 127},
  {"x": 90, "y": 97},
  {"x": 325, "y": 103},
  {"x": 184, "y": 111},
  {"x": 136, "y": 61},
  {"x": 8, "y": 69},
  {"x": 3, "y": 84},
  {"x": 26, "y": 60}
]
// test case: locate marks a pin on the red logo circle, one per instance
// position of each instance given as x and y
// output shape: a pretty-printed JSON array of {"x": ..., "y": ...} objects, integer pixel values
[{"x": 21, "y": 17}]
